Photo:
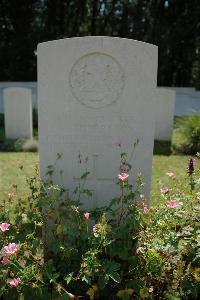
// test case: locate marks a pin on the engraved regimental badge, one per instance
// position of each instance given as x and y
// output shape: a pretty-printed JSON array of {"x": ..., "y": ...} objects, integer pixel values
[{"x": 96, "y": 80}]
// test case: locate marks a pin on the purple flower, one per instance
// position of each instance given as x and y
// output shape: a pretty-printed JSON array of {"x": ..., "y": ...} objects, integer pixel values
[{"x": 191, "y": 166}]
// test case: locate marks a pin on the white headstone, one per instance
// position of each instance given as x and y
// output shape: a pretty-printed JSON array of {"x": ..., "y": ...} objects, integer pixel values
[
  {"x": 18, "y": 112},
  {"x": 187, "y": 101},
  {"x": 93, "y": 91},
  {"x": 165, "y": 103}
]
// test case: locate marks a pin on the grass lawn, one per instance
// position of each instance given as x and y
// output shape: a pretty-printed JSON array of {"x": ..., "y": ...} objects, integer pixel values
[
  {"x": 162, "y": 164},
  {"x": 11, "y": 173}
]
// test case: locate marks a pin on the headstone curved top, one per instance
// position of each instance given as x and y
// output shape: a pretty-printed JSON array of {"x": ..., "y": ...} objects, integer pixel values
[
  {"x": 18, "y": 112},
  {"x": 93, "y": 91}
]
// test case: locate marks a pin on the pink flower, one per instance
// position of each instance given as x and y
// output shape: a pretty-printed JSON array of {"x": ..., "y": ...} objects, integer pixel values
[
  {"x": 123, "y": 176},
  {"x": 95, "y": 227},
  {"x": 119, "y": 143},
  {"x": 11, "y": 195},
  {"x": 172, "y": 203},
  {"x": 145, "y": 209},
  {"x": 4, "y": 227},
  {"x": 170, "y": 174},
  {"x": 86, "y": 215},
  {"x": 164, "y": 190},
  {"x": 11, "y": 248},
  {"x": 5, "y": 261},
  {"x": 124, "y": 167},
  {"x": 15, "y": 281}
]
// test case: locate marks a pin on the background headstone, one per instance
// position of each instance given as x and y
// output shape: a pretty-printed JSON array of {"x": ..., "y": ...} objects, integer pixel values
[
  {"x": 165, "y": 103},
  {"x": 187, "y": 101},
  {"x": 18, "y": 113},
  {"x": 93, "y": 91}
]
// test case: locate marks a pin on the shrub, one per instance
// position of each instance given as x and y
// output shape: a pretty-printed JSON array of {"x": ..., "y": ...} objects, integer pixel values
[
  {"x": 35, "y": 118},
  {"x": 162, "y": 147},
  {"x": 30, "y": 146},
  {"x": 2, "y": 120},
  {"x": 18, "y": 145},
  {"x": 2, "y": 130},
  {"x": 12, "y": 145},
  {"x": 189, "y": 127}
]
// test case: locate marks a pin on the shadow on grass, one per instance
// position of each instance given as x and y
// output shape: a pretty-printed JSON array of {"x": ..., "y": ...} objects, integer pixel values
[{"x": 162, "y": 148}]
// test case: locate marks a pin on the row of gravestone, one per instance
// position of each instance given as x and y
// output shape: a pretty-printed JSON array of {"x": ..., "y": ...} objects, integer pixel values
[
  {"x": 18, "y": 113},
  {"x": 187, "y": 99},
  {"x": 93, "y": 91}
]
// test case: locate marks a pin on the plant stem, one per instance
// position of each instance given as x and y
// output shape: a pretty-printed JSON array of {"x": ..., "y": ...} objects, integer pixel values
[
  {"x": 122, "y": 204},
  {"x": 21, "y": 296}
]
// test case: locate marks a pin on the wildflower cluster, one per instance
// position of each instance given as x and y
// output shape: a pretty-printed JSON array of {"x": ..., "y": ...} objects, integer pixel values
[
  {"x": 20, "y": 243},
  {"x": 125, "y": 250}
]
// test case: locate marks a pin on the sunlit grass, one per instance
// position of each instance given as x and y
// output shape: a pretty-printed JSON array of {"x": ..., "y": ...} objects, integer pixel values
[{"x": 10, "y": 172}]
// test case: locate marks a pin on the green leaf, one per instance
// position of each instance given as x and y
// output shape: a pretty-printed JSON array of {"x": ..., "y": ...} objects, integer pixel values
[
  {"x": 125, "y": 294},
  {"x": 54, "y": 277},
  {"x": 135, "y": 284},
  {"x": 110, "y": 266},
  {"x": 86, "y": 192},
  {"x": 86, "y": 279},
  {"x": 85, "y": 175},
  {"x": 69, "y": 277},
  {"x": 114, "y": 276},
  {"x": 102, "y": 281}
]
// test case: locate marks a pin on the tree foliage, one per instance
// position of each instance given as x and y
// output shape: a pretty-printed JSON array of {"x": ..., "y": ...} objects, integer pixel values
[{"x": 172, "y": 25}]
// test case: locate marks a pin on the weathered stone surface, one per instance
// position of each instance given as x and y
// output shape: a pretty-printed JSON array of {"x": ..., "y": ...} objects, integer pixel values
[
  {"x": 93, "y": 91},
  {"x": 18, "y": 112}
]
